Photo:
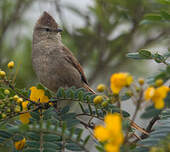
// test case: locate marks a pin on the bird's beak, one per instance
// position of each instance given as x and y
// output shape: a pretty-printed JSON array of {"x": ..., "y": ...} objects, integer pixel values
[{"x": 59, "y": 30}]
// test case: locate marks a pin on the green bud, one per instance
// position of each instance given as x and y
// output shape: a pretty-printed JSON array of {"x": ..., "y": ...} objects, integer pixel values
[
  {"x": 104, "y": 103},
  {"x": 17, "y": 109},
  {"x": 6, "y": 91},
  {"x": 3, "y": 115}
]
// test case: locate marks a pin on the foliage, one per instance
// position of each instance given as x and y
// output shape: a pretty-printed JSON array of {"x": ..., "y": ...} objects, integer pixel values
[
  {"x": 33, "y": 120},
  {"x": 49, "y": 127}
]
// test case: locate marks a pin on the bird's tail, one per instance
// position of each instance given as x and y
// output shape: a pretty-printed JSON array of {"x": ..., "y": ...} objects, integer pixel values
[{"x": 89, "y": 89}]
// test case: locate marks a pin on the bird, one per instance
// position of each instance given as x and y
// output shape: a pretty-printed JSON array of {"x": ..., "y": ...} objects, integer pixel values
[{"x": 54, "y": 64}]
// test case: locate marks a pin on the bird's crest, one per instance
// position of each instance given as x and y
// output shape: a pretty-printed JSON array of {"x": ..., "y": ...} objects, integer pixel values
[{"x": 47, "y": 20}]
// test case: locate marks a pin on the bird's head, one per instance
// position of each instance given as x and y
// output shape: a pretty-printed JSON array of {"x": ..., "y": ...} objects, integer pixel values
[{"x": 46, "y": 28}]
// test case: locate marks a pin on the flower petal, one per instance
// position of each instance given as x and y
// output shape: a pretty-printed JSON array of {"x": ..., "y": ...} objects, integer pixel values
[
  {"x": 109, "y": 147},
  {"x": 113, "y": 123},
  {"x": 159, "y": 104},
  {"x": 149, "y": 93},
  {"x": 25, "y": 118},
  {"x": 101, "y": 133}
]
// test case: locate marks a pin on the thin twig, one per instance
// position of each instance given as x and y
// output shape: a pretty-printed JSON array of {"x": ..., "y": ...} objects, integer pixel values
[
  {"x": 148, "y": 128},
  {"x": 135, "y": 114},
  {"x": 86, "y": 114},
  {"x": 86, "y": 125}
]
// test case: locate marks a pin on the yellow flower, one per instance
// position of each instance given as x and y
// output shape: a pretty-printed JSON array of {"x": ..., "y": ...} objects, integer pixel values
[
  {"x": 11, "y": 64},
  {"x": 19, "y": 100},
  {"x": 2, "y": 74},
  {"x": 101, "y": 87},
  {"x": 101, "y": 133},
  {"x": 15, "y": 97},
  {"x": 111, "y": 133},
  {"x": 120, "y": 80},
  {"x": 109, "y": 147},
  {"x": 157, "y": 95},
  {"x": 159, "y": 82},
  {"x": 19, "y": 145},
  {"x": 38, "y": 95},
  {"x": 98, "y": 99},
  {"x": 149, "y": 93},
  {"x": 25, "y": 118},
  {"x": 141, "y": 81}
]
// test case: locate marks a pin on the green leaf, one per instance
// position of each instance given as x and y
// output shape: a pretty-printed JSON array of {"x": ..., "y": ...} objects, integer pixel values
[
  {"x": 116, "y": 109},
  {"x": 69, "y": 93},
  {"x": 80, "y": 95},
  {"x": 125, "y": 97},
  {"x": 48, "y": 113},
  {"x": 51, "y": 145},
  {"x": 5, "y": 134},
  {"x": 40, "y": 86},
  {"x": 60, "y": 93},
  {"x": 68, "y": 116},
  {"x": 150, "y": 112},
  {"x": 161, "y": 131},
  {"x": 33, "y": 135},
  {"x": 164, "y": 1},
  {"x": 31, "y": 150},
  {"x": 73, "y": 147},
  {"x": 79, "y": 135},
  {"x": 51, "y": 138},
  {"x": 145, "y": 53},
  {"x": 136, "y": 56},
  {"x": 65, "y": 110},
  {"x": 50, "y": 150},
  {"x": 153, "y": 17},
  {"x": 82, "y": 108},
  {"x": 33, "y": 144},
  {"x": 86, "y": 140},
  {"x": 165, "y": 15},
  {"x": 72, "y": 123},
  {"x": 35, "y": 115},
  {"x": 158, "y": 58}
]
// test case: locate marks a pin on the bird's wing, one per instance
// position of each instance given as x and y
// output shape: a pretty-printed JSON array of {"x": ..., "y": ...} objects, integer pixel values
[{"x": 71, "y": 59}]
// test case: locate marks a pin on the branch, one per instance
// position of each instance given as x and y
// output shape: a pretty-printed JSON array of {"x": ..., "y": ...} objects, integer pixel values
[{"x": 148, "y": 128}]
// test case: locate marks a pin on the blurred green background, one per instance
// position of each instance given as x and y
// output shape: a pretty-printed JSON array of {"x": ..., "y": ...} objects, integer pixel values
[{"x": 99, "y": 32}]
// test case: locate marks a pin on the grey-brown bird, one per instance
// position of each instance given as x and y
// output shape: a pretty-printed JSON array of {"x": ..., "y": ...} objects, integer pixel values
[{"x": 54, "y": 64}]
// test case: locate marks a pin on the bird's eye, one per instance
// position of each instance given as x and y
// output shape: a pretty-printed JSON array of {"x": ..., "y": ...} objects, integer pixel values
[{"x": 47, "y": 29}]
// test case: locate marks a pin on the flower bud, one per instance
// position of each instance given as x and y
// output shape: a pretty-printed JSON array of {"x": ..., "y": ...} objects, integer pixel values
[
  {"x": 113, "y": 99},
  {"x": 17, "y": 109},
  {"x": 2, "y": 74},
  {"x": 104, "y": 104},
  {"x": 8, "y": 110},
  {"x": 159, "y": 82},
  {"x": 19, "y": 145},
  {"x": 141, "y": 81},
  {"x": 3, "y": 115},
  {"x": 101, "y": 88},
  {"x": 98, "y": 99},
  {"x": 11, "y": 64},
  {"x": 6, "y": 91},
  {"x": 137, "y": 89},
  {"x": 15, "y": 97},
  {"x": 19, "y": 100}
]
